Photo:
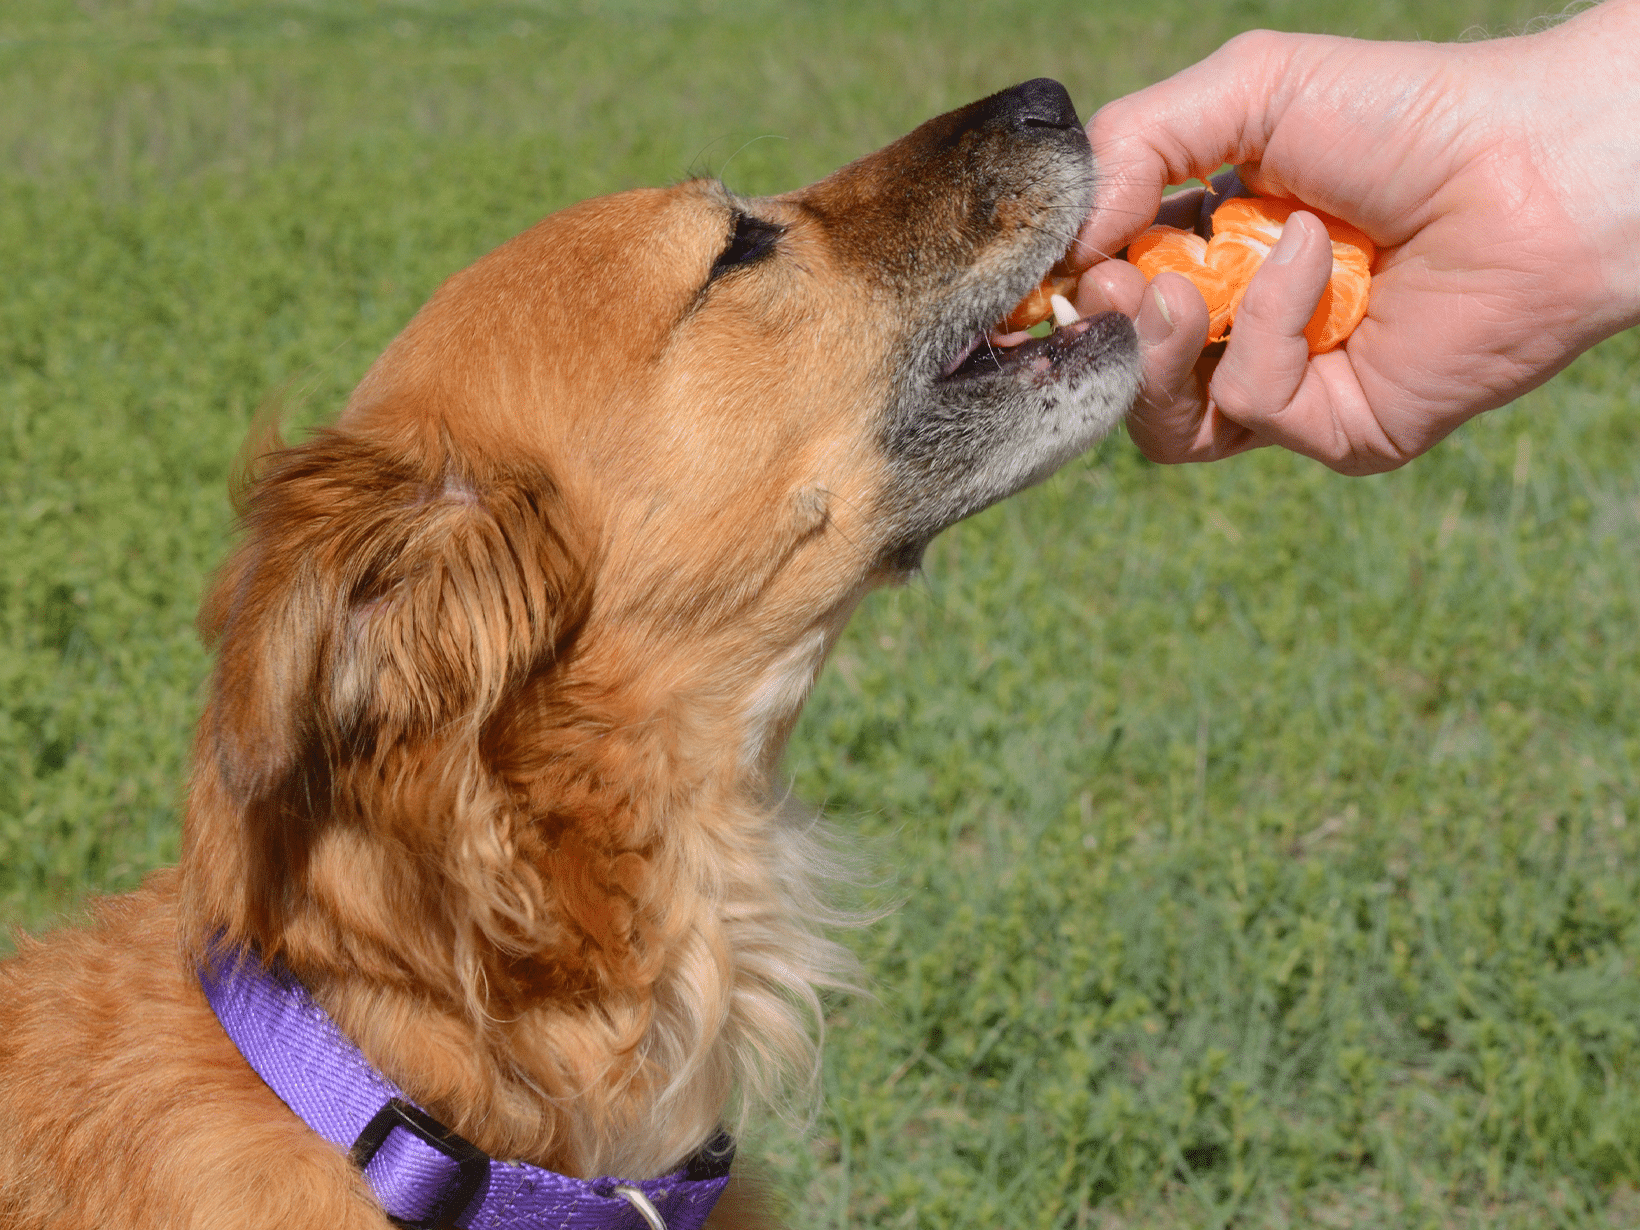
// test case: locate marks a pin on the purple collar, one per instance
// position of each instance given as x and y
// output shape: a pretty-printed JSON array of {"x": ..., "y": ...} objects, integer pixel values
[{"x": 423, "y": 1174}]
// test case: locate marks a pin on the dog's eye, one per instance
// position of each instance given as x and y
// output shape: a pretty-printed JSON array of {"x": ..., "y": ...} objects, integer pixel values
[{"x": 752, "y": 240}]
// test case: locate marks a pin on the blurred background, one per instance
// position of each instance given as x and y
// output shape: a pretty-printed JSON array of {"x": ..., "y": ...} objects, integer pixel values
[{"x": 1259, "y": 840}]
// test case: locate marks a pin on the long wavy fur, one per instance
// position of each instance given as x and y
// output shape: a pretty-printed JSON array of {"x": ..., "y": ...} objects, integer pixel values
[{"x": 415, "y": 787}]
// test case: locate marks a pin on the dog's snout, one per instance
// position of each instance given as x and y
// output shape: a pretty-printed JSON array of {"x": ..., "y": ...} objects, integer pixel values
[
  {"x": 1041, "y": 103},
  {"x": 1015, "y": 163}
]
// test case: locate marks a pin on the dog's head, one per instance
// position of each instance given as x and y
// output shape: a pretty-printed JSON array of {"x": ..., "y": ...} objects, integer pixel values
[{"x": 559, "y": 579}]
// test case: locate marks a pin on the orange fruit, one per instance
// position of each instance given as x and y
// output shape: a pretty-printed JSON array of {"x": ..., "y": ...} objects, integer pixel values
[
  {"x": 1171, "y": 250},
  {"x": 1246, "y": 228},
  {"x": 1244, "y": 231}
]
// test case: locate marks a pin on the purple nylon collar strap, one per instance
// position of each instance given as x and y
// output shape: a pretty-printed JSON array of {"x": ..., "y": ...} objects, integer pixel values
[{"x": 423, "y": 1174}]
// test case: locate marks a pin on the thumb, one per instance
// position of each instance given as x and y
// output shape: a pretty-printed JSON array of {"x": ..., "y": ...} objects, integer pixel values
[{"x": 1268, "y": 383}]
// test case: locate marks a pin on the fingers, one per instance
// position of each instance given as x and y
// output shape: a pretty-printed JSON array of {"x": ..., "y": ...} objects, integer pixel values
[
  {"x": 1195, "y": 407},
  {"x": 1169, "y": 422},
  {"x": 1266, "y": 388},
  {"x": 1112, "y": 286},
  {"x": 1211, "y": 113},
  {"x": 1172, "y": 421}
]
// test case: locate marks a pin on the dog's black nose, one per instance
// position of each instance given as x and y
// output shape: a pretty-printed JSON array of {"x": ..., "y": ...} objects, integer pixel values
[{"x": 1042, "y": 103}]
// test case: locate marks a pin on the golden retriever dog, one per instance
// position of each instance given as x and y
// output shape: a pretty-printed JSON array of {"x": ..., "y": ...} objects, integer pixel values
[{"x": 485, "y": 782}]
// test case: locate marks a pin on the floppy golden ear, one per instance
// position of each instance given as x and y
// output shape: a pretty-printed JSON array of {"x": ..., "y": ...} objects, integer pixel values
[
  {"x": 375, "y": 599},
  {"x": 376, "y": 616}
]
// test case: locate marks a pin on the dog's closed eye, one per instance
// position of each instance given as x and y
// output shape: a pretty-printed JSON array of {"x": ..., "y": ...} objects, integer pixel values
[{"x": 751, "y": 241}]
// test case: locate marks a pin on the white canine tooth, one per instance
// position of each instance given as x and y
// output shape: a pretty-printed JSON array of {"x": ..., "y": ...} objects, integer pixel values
[{"x": 1063, "y": 313}]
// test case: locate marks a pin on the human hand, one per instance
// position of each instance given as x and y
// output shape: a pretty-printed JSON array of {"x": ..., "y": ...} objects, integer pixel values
[{"x": 1496, "y": 178}]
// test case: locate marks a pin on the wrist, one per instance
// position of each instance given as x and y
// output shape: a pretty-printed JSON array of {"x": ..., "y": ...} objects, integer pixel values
[{"x": 1592, "y": 152}]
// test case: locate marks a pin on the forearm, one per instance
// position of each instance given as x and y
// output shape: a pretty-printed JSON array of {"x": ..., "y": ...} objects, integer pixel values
[{"x": 1591, "y": 149}]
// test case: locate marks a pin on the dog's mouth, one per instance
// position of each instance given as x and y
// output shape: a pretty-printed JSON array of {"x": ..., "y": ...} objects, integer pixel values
[
  {"x": 989, "y": 355},
  {"x": 1032, "y": 336}
]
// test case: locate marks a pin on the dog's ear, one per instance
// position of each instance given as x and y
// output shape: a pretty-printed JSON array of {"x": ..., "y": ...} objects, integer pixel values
[
  {"x": 379, "y": 613},
  {"x": 377, "y": 598}
]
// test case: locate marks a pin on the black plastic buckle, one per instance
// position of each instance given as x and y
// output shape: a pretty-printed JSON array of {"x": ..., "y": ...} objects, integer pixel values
[
  {"x": 472, "y": 1163},
  {"x": 712, "y": 1159}
]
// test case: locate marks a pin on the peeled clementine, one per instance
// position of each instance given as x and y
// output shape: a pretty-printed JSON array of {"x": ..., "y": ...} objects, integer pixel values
[
  {"x": 1244, "y": 231},
  {"x": 1169, "y": 249}
]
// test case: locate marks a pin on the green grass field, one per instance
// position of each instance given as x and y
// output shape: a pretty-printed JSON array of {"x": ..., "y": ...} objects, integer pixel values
[{"x": 1266, "y": 843}]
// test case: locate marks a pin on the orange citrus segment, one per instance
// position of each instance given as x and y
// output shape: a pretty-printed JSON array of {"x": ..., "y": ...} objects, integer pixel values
[
  {"x": 1237, "y": 258},
  {"x": 1263, "y": 217},
  {"x": 1244, "y": 231},
  {"x": 1246, "y": 228},
  {"x": 1167, "y": 249},
  {"x": 1343, "y": 303}
]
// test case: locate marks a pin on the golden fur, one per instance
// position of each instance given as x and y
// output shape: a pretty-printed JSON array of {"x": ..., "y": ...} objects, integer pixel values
[{"x": 505, "y": 663}]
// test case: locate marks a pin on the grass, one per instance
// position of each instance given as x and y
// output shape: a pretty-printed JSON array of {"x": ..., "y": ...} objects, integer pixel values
[{"x": 1265, "y": 842}]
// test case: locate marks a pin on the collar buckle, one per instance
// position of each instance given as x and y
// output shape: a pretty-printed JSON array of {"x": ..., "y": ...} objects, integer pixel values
[{"x": 472, "y": 1163}]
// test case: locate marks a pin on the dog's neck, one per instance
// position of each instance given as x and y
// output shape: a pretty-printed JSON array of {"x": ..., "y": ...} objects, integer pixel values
[{"x": 612, "y": 932}]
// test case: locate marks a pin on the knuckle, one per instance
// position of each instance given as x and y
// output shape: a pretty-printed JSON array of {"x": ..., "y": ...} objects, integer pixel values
[
  {"x": 1265, "y": 313},
  {"x": 1280, "y": 302},
  {"x": 1255, "y": 45}
]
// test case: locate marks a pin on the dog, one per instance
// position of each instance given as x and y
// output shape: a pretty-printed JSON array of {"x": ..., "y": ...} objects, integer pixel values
[{"x": 484, "y": 790}]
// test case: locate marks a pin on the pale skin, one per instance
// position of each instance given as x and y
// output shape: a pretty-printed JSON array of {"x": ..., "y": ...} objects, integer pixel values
[{"x": 1499, "y": 179}]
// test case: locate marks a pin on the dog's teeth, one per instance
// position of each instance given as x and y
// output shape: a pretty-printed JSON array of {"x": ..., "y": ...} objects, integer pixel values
[{"x": 1063, "y": 313}]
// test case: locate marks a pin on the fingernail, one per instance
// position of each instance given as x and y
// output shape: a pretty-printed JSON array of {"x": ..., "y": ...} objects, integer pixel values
[
  {"x": 1154, "y": 329},
  {"x": 1287, "y": 246}
]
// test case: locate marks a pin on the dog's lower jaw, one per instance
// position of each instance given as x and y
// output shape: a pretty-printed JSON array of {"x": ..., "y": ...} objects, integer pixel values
[{"x": 1047, "y": 402}]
